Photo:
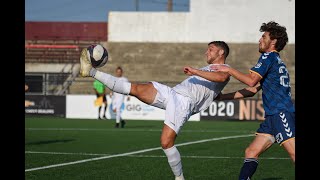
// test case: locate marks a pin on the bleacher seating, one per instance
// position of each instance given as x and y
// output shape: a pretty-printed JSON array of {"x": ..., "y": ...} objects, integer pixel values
[
  {"x": 60, "y": 42},
  {"x": 54, "y": 51}
]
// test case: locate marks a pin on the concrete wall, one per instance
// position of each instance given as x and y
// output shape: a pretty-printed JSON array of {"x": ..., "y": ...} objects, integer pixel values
[{"x": 233, "y": 21}]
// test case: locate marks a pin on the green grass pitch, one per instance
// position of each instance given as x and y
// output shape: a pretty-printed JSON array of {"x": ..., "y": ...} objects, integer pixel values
[{"x": 59, "y": 148}]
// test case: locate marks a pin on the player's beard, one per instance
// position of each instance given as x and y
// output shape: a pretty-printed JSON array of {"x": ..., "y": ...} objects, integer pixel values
[
  {"x": 208, "y": 60},
  {"x": 211, "y": 60},
  {"x": 261, "y": 49}
]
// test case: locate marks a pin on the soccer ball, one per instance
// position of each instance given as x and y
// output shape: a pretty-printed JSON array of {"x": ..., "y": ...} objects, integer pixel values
[{"x": 98, "y": 55}]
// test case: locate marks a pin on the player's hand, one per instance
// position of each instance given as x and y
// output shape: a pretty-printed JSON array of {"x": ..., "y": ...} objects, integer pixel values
[
  {"x": 189, "y": 70},
  {"x": 220, "y": 68}
]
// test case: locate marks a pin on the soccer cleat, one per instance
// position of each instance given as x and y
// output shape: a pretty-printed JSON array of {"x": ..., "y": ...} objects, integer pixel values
[
  {"x": 122, "y": 123},
  {"x": 85, "y": 64},
  {"x": 117, "y": 125}
]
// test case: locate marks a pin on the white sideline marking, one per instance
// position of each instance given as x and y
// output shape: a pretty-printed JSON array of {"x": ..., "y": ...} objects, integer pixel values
[
  {"x": 126, "y": 130},
  {"x": 205, "y": 157},
  {"x": 65, "y": 153},
  {"x": 150, "y": 156},
  {"x": 134, "y": 152}
]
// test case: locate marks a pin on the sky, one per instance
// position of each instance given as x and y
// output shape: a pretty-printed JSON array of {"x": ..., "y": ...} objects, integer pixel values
[{"x": 92, "y": 10}]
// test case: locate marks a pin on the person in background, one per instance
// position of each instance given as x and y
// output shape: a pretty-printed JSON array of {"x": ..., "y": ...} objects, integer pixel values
[
  {"x": 100, "y": 90},
  {"x": 118, "y": 100},
  {"x": 26, "y": 87}
]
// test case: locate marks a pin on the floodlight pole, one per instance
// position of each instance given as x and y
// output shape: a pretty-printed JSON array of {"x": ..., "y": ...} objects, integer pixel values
[
  {"x": 169, "y": 6},
  {"x": 137, "y": 5}
]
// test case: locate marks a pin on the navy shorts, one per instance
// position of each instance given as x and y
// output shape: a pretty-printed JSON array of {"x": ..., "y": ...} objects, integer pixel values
[{"x": 281, "y": 126}]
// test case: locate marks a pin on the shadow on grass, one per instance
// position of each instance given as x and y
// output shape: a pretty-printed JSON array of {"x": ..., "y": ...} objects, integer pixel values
[
  {"x": 49, "y": 142},
  {"x": 271, "y": 178}
]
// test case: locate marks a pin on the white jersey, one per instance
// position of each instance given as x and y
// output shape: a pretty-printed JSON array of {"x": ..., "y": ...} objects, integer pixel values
[
  {"x": 200, "y": 90},
  {"x": 117, "y": 98}
]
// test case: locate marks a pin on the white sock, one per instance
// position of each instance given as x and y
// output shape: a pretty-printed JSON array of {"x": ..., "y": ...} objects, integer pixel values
[
  {"x": 113, "y": 83},
  {"x": 181, "y": 177},
  {"x": 118, "y": 115},
  {"x": 174, "y": 160}
]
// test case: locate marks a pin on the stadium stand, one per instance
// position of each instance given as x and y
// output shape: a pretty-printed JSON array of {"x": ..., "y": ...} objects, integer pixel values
[
  {"x": 162, "y": 62},
  {"x": 58, "y": 45},
  {"x": 60, "y": 42}
]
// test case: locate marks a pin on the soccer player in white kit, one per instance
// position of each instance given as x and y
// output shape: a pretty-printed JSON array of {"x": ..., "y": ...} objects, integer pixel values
[
  {"x": 189, "y": 97},
  {"x": 117, "y": 99}
]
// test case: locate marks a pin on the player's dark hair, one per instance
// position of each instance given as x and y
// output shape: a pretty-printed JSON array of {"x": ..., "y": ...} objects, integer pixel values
[
  {"x": 119, "y": 67},
  {"x": 222, "y": 45},
  {"x": 276, "y": 32}
]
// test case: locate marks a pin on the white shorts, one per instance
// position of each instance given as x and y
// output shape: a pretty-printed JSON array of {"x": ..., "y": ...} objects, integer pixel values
[{"x": 178, "y": 108}]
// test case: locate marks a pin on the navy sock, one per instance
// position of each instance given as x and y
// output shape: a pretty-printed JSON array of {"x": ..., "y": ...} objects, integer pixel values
[{"x": 248, "y": 169}]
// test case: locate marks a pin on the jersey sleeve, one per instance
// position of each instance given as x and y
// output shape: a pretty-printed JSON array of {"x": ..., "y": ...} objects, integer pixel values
[{"x": 262, "y": 66}]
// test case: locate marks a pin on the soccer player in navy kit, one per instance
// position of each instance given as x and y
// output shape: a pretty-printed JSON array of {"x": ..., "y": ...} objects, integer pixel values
[{"x": 271, "y": 73}]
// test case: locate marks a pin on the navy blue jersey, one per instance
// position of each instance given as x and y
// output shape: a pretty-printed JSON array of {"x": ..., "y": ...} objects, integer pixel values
[{"x": 275, "y": 83}]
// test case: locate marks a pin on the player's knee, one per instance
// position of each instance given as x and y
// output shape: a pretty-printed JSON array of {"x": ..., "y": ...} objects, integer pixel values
[
  {"x": 292, "y": 155},
  {"x": 166, "y": 143},
  {"x": 134, "y": 89},
  {"x": 293, "y": 158},
  {"x": 251, "y": 152}
]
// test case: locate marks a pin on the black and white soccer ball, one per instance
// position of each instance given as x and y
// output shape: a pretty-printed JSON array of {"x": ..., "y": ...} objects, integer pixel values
[{"x": 98, "y": 55}]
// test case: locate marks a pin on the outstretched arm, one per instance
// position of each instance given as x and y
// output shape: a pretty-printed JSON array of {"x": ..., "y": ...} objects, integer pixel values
[
  {"x": 242, "y": 93},
  {"x": 250, "y": 79},
  {"x": 211, "y": 76}
]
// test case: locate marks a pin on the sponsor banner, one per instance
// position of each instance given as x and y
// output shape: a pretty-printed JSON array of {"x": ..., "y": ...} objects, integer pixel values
[
  {"x": 82, "y": 106},
  {"x": 243, "y": 109},
  {"x": 45, "y": 105}
]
